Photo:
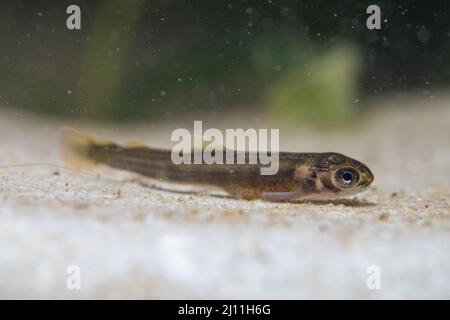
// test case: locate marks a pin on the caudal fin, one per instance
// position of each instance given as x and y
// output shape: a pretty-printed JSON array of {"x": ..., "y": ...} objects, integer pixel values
[{"x": 76, "y": 148}]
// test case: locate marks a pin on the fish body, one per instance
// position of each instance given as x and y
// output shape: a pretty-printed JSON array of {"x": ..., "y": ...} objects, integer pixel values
[{"x": 300, "y": 175}]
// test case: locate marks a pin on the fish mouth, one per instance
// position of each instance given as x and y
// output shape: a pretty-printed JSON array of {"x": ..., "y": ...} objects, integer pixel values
[{"x": 367, "y": 179}]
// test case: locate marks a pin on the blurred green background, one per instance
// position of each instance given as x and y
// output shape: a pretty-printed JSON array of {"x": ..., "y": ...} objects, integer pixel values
[{"x": 312, "y": 61}]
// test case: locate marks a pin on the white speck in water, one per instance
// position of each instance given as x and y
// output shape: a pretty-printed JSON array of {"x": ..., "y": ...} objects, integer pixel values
[
  {"x": 69, "y": 92},
  {"x": 163, "y": 93}
]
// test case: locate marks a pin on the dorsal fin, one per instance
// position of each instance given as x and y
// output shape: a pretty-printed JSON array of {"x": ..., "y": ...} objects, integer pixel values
[
  {"x": 210, "y": 144},
  {"x": 135, "y": 143}
]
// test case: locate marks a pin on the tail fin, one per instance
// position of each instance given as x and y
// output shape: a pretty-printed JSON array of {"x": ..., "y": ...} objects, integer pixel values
[{"x": 76, "y": 146}]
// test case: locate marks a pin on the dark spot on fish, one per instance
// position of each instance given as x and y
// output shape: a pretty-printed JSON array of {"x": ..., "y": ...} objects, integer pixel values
[
  {"x": 329, "y": 184},
  {"x": 309, "y": 183}
]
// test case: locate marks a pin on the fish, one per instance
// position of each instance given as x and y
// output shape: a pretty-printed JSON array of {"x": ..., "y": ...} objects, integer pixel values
[{"x": 301, "y": 175}]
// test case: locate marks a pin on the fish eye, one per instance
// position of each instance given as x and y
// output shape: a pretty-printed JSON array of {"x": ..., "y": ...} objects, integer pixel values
[{"x": 346, "y": 177}]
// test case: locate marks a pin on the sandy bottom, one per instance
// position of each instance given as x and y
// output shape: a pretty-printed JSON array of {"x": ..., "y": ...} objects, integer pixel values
[{"x": 131, "y": 241}]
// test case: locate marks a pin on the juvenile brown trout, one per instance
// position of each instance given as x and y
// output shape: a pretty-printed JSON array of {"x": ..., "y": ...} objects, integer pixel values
[{"x": 300, "y": 175}]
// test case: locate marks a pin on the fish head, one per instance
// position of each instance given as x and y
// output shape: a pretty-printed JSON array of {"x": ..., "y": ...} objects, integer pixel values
[{"x": 340, "y": 175}]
